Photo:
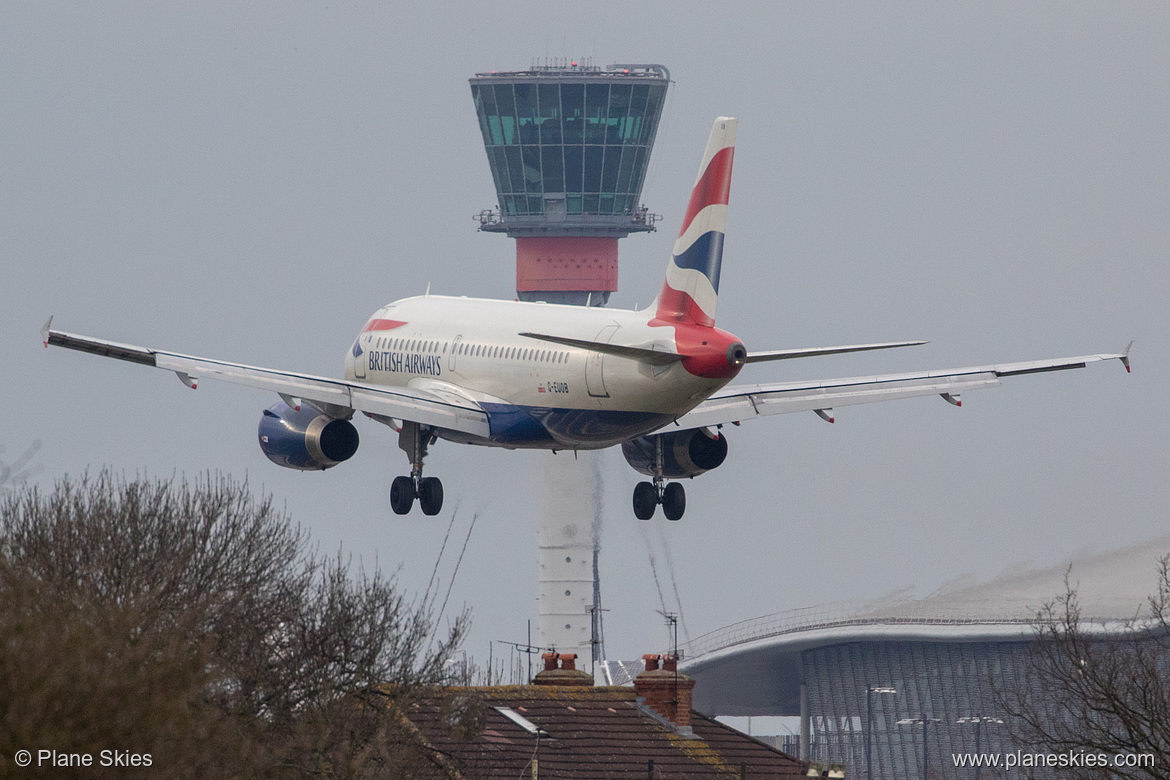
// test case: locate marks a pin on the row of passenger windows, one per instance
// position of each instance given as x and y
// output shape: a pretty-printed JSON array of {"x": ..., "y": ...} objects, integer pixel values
[
  {"x": 513, "y": 353},
  {"x": 473, "y": 350}
]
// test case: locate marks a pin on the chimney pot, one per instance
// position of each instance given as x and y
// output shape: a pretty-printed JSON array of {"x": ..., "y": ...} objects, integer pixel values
[
  {"x": 569, "y": 661},
  {"x": 550, "y": 661},
  {"x": 666, "y": 691}
]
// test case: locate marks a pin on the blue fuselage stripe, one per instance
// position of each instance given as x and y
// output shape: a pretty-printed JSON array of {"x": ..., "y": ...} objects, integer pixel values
[{"x": 528, "y": 426}]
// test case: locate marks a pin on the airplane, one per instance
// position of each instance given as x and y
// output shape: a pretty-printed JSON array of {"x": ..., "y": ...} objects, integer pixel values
[{"x": 531, "y": 375}]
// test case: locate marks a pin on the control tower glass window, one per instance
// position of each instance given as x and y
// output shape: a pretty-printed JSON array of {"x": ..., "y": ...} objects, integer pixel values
[{"x": 570, "y": 147}]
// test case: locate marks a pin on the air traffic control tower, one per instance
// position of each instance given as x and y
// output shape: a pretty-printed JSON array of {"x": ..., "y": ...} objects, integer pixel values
[{"x": 568, "y": 146}]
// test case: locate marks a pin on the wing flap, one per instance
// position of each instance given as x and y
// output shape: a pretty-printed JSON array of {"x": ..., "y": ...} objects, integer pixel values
[
  {"x": 765, "y": 400},
  {"x": 745, "y": 402},
  {"x": 335, "y": 397}
]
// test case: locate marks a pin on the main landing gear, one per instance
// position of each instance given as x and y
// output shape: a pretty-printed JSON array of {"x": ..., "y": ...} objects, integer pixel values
[
  {"x": 414, "y": 440},
  {"x": 648, "y": 495}
]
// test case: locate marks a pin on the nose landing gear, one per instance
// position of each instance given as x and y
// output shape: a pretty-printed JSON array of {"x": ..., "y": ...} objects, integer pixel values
[{"x": 414, "y": 440}]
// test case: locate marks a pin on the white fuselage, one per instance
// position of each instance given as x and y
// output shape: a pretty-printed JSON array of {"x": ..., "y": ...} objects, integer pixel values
[{"x": 471, "y": 348}]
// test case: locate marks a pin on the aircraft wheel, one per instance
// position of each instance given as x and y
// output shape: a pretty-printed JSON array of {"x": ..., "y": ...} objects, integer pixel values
[
  {"x": 402, "y": 495},
  {"x": 645, "y": 500},
  {"x": 674, "y": 501},
  {"x": 430, "y": 495}
]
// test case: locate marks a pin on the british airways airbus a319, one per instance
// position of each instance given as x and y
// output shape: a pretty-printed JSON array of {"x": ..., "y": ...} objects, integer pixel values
[{"x": 539, "y": 376}]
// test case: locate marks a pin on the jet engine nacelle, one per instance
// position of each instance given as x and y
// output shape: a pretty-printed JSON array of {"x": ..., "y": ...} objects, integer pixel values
[
  {"x": 304, "y": 438},
  {"x": 684, "y": 453}
]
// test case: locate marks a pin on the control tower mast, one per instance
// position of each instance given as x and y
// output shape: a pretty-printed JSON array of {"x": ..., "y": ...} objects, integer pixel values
[{"x": 568, "y": 145}]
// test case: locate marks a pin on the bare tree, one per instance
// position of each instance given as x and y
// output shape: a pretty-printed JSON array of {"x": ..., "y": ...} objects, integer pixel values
[
  {"x": 192, "y": 622},
  {"x": 20, "y": 469},
  {"x": 1101, "y": 690}
]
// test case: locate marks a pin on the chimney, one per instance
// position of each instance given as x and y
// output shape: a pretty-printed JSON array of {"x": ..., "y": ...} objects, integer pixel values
[
  {"x": 567, "y": 674},
  {"x": 666, "y": 691}
]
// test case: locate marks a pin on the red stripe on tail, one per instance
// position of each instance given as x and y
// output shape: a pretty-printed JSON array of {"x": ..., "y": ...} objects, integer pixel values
[{"x": 713, "y": 187}]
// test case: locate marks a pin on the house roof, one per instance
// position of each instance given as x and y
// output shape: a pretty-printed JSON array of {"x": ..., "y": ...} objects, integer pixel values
[{"x": 587, "y": 732}]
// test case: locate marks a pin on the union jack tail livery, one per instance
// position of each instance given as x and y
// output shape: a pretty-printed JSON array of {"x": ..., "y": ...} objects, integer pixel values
[{"x": 691, "y": 289}]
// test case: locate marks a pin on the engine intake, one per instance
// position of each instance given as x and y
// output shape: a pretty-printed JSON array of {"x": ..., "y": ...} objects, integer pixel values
[
  {"x": 305, "y": 439},
  {"x": 684, "y": 453}
]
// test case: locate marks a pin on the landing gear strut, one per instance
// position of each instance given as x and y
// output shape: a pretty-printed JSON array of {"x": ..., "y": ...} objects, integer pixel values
[
  {"x": 414, "y": 439},
  {"x": 647, "y": 495}
]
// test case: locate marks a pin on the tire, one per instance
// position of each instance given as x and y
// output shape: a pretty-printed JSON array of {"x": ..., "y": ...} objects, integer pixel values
[
  {"x": 645, "y": 500},
  {"x": 674, "y": 501},
  {"x": 402, "y": 495},
  {"x": 430, "y": 495}
]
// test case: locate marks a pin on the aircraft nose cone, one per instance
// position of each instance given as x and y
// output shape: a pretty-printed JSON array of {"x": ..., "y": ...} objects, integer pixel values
[{"x": 736, "y": 354}]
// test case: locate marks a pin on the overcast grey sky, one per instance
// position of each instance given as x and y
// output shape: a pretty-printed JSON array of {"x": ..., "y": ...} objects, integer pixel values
[{"x": 251, "y": 181}]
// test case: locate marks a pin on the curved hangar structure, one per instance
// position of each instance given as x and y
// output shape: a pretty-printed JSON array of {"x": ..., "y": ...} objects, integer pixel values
[{"x": 862, "y": 677}]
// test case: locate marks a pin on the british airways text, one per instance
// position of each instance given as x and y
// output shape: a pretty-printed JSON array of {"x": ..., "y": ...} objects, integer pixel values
[{"x": 404, "y": 363}]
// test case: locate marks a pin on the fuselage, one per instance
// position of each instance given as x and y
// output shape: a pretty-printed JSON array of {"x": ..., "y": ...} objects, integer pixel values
[{"x": 538, "y": 393}]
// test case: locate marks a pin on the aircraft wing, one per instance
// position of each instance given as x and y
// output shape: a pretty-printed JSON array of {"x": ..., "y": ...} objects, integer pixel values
[
  {"x": 745, "y": 402},
  {"x": 335, "y": 397}
]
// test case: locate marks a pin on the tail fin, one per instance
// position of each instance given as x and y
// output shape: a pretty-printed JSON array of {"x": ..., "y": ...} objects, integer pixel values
[{"x": 691, "y": 289}]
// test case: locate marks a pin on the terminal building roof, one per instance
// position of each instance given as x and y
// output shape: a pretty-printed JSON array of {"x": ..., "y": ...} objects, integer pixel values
[{"x": 760, "y": 658}]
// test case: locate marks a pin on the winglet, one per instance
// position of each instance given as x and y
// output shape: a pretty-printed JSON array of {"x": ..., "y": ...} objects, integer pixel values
[
  {"x": 1124, "y": 356},
  {"x": 48, "y": 322}
]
